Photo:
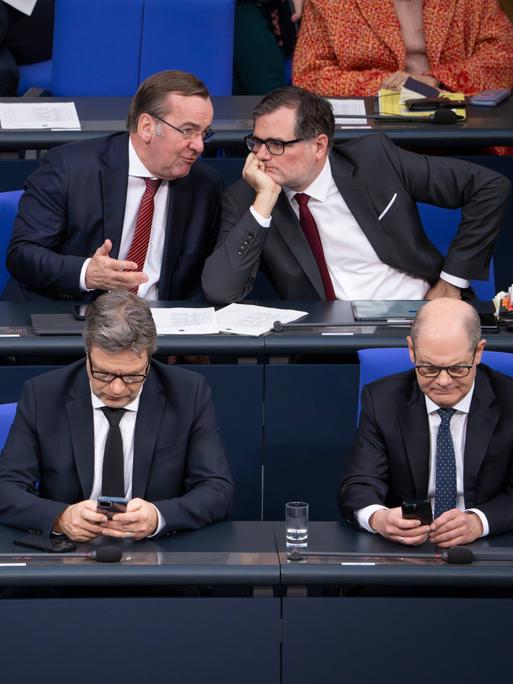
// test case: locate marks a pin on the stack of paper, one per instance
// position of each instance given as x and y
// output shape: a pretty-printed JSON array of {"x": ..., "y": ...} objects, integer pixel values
[
  {"x": 39, "y": 115},
  {"x": 182, "y": 321}
]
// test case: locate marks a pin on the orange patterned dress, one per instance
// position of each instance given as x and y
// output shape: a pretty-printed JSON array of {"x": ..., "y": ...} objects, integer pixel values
[{"x": 347, "y": 47}]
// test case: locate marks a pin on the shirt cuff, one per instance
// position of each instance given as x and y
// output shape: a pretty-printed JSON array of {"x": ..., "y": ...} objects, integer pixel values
[
  {"x": 160, "y": 525},
  {"x": 261, "y": 220},
  {"x": 83, "y": 276},
  {"x": 454, "y": 280},
  {"x": 363, "y": 516},
  {"x": 482, "y": 518}
]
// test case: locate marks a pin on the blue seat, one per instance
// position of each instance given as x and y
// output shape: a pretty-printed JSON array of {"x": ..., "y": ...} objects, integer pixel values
[
  {"x": 7, "y": 413},
  {"x": 38, "y": 75},
  {"x": 194, "y": 36},
  {"x": 441, "y": 226},
  {"x": 377, "y": 363},
  {"x": 8, "y": 208}
]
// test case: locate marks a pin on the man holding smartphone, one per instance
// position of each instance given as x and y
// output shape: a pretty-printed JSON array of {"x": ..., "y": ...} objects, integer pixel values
[
  {"x": 117, "y": 425},
  {"x": 441, "y": 432}
]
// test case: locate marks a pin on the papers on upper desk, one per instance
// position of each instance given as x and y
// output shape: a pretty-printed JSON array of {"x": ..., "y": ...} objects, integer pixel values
[
  {"x": 238, "y": 319},
  {"x": 39, "y": 115},
  {"x": 349, "y": 112}
]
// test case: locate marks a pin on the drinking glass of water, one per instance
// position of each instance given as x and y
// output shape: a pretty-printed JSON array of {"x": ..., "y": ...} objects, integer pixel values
[{"x": 296, "y": 516}]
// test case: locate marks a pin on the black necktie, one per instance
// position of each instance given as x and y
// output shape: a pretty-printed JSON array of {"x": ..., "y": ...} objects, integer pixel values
[
  {"x": 113, "y": 479},
  {"x": 445, "y": 484}
]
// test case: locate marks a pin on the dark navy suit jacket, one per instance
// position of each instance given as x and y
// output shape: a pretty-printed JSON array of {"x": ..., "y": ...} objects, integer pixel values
[
  {"x": 76, "y": 199},
  {"x": 179, "y": 462}
]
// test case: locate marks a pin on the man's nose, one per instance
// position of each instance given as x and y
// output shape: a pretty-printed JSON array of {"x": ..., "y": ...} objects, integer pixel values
[
  {"x": 117, "y": 386},
  {"x": 444, "y": 378},
  {"x": 196, "y": 144},
  {"x": 263, "y": 153}
]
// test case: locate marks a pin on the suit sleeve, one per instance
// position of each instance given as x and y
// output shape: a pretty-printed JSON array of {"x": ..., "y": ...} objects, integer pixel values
[
  {"x": 366, "y": 478},
  {"x": 20, "y": 504},
  {"x": 481, "y": 193},
  {"x": 208, "y": 484},
  {"x": 230, "y": 271},
  {"x": 33, "y": 254}
]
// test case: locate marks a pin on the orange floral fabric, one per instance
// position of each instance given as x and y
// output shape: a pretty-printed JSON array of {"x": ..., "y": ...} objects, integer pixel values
[{"x": 347, "y": 47}]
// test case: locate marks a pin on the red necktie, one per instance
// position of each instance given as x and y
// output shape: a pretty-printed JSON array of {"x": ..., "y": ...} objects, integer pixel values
[
  {"x": 141, "y": 239},
  {"x": 312, "y": 235}
]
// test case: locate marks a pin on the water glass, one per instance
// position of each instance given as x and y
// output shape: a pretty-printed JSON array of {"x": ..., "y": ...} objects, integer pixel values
[{"x": 296, "y": 516}]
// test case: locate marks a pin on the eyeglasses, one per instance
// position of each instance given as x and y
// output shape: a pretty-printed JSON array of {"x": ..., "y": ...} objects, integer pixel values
[
  {"x": 128, "y": 379},
  {"x": 275, "y": 147},
  {"x": 187, "y": 133},
  {"x": 459, "y": 371}
]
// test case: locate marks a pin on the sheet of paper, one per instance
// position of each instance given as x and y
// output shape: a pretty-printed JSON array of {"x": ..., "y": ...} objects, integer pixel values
[
  {"x": 38, "y": 115},
  {"x": 25, "y": 6},
  {"x": 345, "y": 110},
  {"x": 182, "y": 321},
  {"x": 248, "y": 319}
]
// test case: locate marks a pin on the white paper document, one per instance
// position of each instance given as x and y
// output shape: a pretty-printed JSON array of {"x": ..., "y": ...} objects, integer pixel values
[
  {"x": 182, "y": 321},
  {"x": 248, "y": 319},
  {"x": 349, "y": 108},
  {"x": 38, "y": 115}
]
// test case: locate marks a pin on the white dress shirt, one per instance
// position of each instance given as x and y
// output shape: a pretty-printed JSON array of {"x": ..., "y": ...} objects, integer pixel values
[
  {"x": 458, "y": 427},
  {"x": 137, "y": 172},
  {"x": 127, "y": 429},
  {"x": 356, "y": 270}
]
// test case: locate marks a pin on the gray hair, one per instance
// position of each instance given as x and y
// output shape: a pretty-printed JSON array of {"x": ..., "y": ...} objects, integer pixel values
[
  {"x": 470, "y": 322},
  {"x": 120, "y": 321}
]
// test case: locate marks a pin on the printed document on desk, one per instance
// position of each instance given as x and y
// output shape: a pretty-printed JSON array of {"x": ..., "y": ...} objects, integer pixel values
[
  {"x": 185, "y": 321},
  {"x": 249, "y": 319},
  {"x": 39, "y": 115},
  {"x": 348, "y": 108}
]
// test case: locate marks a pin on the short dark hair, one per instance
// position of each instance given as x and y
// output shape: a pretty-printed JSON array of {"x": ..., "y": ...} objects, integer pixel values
[
  {"x": 152, "y": 92},
  {"x": 314, "y": 113},
  {"x": 120, "y": 321}
]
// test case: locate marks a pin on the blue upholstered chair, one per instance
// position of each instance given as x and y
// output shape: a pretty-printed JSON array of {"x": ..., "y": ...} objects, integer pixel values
[
  {"x": 195, "y": 36},
  {"x": 377, "y": 363},
  {"x": 7, "y": 413},
  {"x": 37, "y": 75},
  {"x": 440, "y": 226},
  {"x": 8, "y": 208}
]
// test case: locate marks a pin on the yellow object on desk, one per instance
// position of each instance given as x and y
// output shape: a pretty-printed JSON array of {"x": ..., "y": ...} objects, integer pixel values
[{"x": 390, "y": 104}]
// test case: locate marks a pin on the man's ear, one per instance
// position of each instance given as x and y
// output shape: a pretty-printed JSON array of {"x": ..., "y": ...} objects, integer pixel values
[
  {"x": 410, "y": 349},
  {"x": 321, "y": 145},
  {"x": 146, "y": 127},
  {"x": 479, "y": 351}
]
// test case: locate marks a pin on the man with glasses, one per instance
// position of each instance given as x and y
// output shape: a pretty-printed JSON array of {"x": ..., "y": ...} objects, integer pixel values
[
  {"x": 118, "y": 424},
  {"x": 133, "y": 210},
  {"x": 440, "y": 432},
  {"x": 342, "y": 223}
]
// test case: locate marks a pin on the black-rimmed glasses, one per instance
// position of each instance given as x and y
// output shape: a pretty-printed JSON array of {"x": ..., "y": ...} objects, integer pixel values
[
  {"x": 427, "y": 370},
  {"x": 275, "y": 147},
  {"x": 188, "y": 133},
  {"x": 128, "y": 378}
]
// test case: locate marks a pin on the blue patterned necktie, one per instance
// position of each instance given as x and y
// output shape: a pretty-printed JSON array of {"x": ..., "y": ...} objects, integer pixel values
[{"x": 445, "y": 485}]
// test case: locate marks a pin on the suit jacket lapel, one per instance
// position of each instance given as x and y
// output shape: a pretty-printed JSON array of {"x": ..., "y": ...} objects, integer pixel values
[
  {"x": 147, "y": 427},
  {"x": 287, "y": 224},
  {"x": 382, "y": 13},
  {"x": 414, "y": 428},
  {"x": 79, "y": 411},
  {"x": 114, "y": 181},
  {"x": 178, "y": 210},
  {"x": 482, "y": 419}
]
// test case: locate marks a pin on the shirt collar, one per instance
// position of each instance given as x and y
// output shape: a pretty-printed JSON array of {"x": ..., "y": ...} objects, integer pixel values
[
  {"x": 462, "y": 406},
  {"x": 135, "y": 165},
  {"x": 132, "y": 406},
  {"x": 320, "y": 186}
]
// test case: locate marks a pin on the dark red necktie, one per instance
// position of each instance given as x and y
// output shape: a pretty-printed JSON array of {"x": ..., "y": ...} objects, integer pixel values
[
  {"x": 141, "y": 239},
  {"x": 309, "y": 227}
]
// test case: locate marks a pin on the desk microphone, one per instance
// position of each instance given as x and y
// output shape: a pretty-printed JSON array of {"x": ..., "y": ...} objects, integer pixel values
[
  {"x": 458, "y": 555},
  {"x": 279, "y": 327},
  {"x": 442, "y": 117},
  {"x": 105, "y": 554}
]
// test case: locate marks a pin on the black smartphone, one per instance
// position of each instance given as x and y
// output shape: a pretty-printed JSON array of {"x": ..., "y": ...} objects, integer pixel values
[
  {"x": 489, "y": 323},
  {"x": 111, "y": 505},
  {"x": 79, "y": 311},
  {"x": 418, "y": 509},
  {"x": 40, "y": 543}
]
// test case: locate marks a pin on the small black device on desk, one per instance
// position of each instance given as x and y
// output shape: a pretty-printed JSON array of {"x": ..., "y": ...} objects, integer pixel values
[
  {"x": 430, "y": 104},
  {"x": 40, "y": 543}
]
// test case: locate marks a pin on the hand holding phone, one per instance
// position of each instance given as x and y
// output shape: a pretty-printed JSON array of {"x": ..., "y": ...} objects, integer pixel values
[
  {"x": 418, "y": 509},
  {"x": 110, "y": 505}
]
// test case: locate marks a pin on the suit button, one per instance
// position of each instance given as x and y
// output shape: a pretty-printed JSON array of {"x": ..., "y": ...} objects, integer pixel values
[
  {"x": 250, "y": 236},
  {"x": 240, "y": 252}
]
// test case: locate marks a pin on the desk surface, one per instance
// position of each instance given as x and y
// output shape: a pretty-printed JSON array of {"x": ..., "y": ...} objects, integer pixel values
[
  {"x": 233, "y": 120},
  {"x": 299, "y": 341}
]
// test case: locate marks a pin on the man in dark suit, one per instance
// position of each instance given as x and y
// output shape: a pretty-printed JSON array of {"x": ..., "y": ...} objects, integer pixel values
[
  {"x": 134, "y": 210},
  {"x": 64, "y": 449},
  {"x": 442, "y": 432},
  {"x": 344, "y": 224}
]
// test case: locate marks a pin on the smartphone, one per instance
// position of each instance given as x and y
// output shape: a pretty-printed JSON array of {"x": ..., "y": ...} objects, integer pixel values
[
  {"x": 79, "y": 311},
  {"x": 40, "y": 543},
  {"x": 490, "y": 98},
  {"x": 429, "y": 104},
  {"x": 418, "y": 509},
  {"x": 489, "y": 323},
  {"x": 109, "y": 505}
]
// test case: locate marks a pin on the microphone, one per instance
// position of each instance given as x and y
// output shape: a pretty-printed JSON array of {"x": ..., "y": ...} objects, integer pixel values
[
  {"x": 279, "y": 327},
  {"x": 105, "y": 554},
  {"x": 443, "y": 117},
  {"x": 457, "y": 555}
]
